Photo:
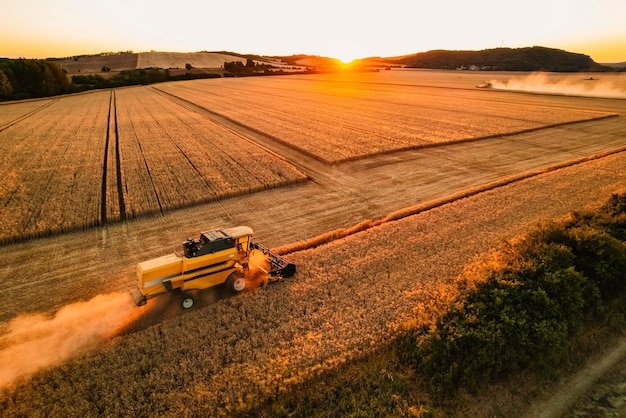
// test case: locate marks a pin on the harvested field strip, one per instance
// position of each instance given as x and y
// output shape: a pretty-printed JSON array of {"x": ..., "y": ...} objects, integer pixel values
[
  {"x": 417, "y": 209},
  {"x": 51, "y": 169},
  {"x": 338, "y": 124},
  {"x": 12, "y": 113}
]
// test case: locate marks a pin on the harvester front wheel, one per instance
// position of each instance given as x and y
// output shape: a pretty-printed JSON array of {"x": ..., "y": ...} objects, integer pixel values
[
  {"x": 188, "y": 301},
  {"x": 236, "y": 282}
]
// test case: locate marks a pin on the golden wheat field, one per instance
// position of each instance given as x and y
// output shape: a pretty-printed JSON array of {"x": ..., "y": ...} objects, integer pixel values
[
  {"x": 325, "y": 118},
  {"x": 380, "y": 187},
  {"x": 90, "y": 159}
]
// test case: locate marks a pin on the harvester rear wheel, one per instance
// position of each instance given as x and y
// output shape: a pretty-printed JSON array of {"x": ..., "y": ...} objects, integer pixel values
[
  {"x": 236, "y": 282},
  {"x": 188, "y": 301}
]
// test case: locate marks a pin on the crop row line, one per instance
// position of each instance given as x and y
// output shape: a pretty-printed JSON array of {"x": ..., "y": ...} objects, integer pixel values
[
  {"x": 27, "y": 115},
  {"x": 103, "y": 189},
  {"x": 190, "y": 161}
]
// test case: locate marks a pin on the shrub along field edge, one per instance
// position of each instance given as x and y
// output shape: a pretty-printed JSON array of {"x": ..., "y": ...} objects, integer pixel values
[{"x": 522, "y": 307}]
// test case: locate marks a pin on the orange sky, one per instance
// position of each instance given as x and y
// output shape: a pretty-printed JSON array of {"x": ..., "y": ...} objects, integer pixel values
[{"x": 342, "y": 29}]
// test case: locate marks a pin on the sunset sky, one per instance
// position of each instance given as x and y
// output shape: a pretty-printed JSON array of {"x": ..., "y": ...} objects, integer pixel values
[{"x": 342, "y": 29}]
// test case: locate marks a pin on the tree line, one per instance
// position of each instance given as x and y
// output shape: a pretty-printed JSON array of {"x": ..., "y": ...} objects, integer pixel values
[
  {"x": 238, "y": 68},
  {"x": 27, "y": 78},
  {"x": 32, "y": 78}
]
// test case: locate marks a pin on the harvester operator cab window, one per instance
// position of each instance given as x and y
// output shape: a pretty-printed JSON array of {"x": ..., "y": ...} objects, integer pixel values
[
  {"x": 210, "y": 242},
  {"x": 191, "y": 247}
]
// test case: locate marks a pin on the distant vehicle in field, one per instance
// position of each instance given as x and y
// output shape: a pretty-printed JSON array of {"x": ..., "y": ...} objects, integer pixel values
[
  {"x": 485, "y": 85},
  {"x": 218, "y": 256}
]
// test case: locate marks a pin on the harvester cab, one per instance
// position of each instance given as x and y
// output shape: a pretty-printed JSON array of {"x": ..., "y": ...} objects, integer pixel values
[
  {"x": 218, "y": 256},
  {"x": 214, "y": 241}
]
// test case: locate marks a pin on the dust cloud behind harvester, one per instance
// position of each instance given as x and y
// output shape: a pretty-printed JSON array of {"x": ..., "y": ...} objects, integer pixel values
[
  {"x": 35, "y": 342},
  {"x": 608, "y": 86}
]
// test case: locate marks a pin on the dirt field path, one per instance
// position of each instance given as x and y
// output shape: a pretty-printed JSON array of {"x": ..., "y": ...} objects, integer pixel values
[{"x": 594, "y": 391}]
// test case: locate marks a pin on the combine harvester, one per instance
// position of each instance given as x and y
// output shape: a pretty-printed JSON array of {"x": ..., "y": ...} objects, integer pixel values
[{"x": 218, "y": 256}]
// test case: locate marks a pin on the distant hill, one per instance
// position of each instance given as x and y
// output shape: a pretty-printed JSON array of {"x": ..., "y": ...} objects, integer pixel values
[
  {"x": 534, "y": 58},
  {"x": 618, "y": 65},
  {"x": 89, "y": 64}
]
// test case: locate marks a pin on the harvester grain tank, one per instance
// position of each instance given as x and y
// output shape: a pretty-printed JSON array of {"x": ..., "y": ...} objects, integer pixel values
[{"x": 219, "y": 256}]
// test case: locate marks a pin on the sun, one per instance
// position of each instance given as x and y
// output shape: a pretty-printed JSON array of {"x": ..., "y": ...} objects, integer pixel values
[{"x": 346, "y": 58}]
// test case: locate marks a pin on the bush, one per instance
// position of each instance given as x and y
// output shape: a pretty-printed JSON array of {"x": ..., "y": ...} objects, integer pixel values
[
  {"x": 90, "y": 81},
  {"x": 28, "y": 78},
  {"x": 599, "y": 253},
  {"x": 613, "y": 217},
  {"x": 539, "y": 292}
]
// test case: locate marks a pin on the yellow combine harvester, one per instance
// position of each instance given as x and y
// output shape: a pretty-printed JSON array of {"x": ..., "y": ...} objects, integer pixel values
[{"x": 218, "y": 256}]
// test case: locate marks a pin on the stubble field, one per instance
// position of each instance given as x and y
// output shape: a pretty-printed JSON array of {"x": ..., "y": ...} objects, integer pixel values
[{"x": 454, "y": 201}]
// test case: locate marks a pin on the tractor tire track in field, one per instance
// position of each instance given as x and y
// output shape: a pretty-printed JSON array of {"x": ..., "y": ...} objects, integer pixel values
[
  {"x": 27, "y": 115},
  {"x": 103, "y": 189},
  {"x": 118, "y": 163},
  {"x": 112, "y": 119}
]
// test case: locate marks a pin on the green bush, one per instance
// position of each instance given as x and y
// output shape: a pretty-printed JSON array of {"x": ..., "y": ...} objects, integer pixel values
[
  {"x": 596, "y": 241},
  {"x": 544, "y": 289},
  {"x": 27, "y": 78},
  {"x": 613, "y": 217}
]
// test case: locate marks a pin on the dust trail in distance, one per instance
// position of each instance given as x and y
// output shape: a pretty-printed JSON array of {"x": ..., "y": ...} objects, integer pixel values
[
  {"x": 36, "y": 342},
  {"x": 602, "y": 85}
]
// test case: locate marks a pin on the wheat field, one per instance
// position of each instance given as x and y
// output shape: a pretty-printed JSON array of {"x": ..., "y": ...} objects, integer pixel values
[
  {"x": 90, "y": 159},
  {"x": 347, "y": 297},
  {"x": 376, "y": 236},
  {"x": 337, "y": 122},
  {"x": 80, "y": 161}
]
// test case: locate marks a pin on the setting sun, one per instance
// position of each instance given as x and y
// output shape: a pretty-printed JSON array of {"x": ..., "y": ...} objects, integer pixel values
[{"x": 346, "y": 59}]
